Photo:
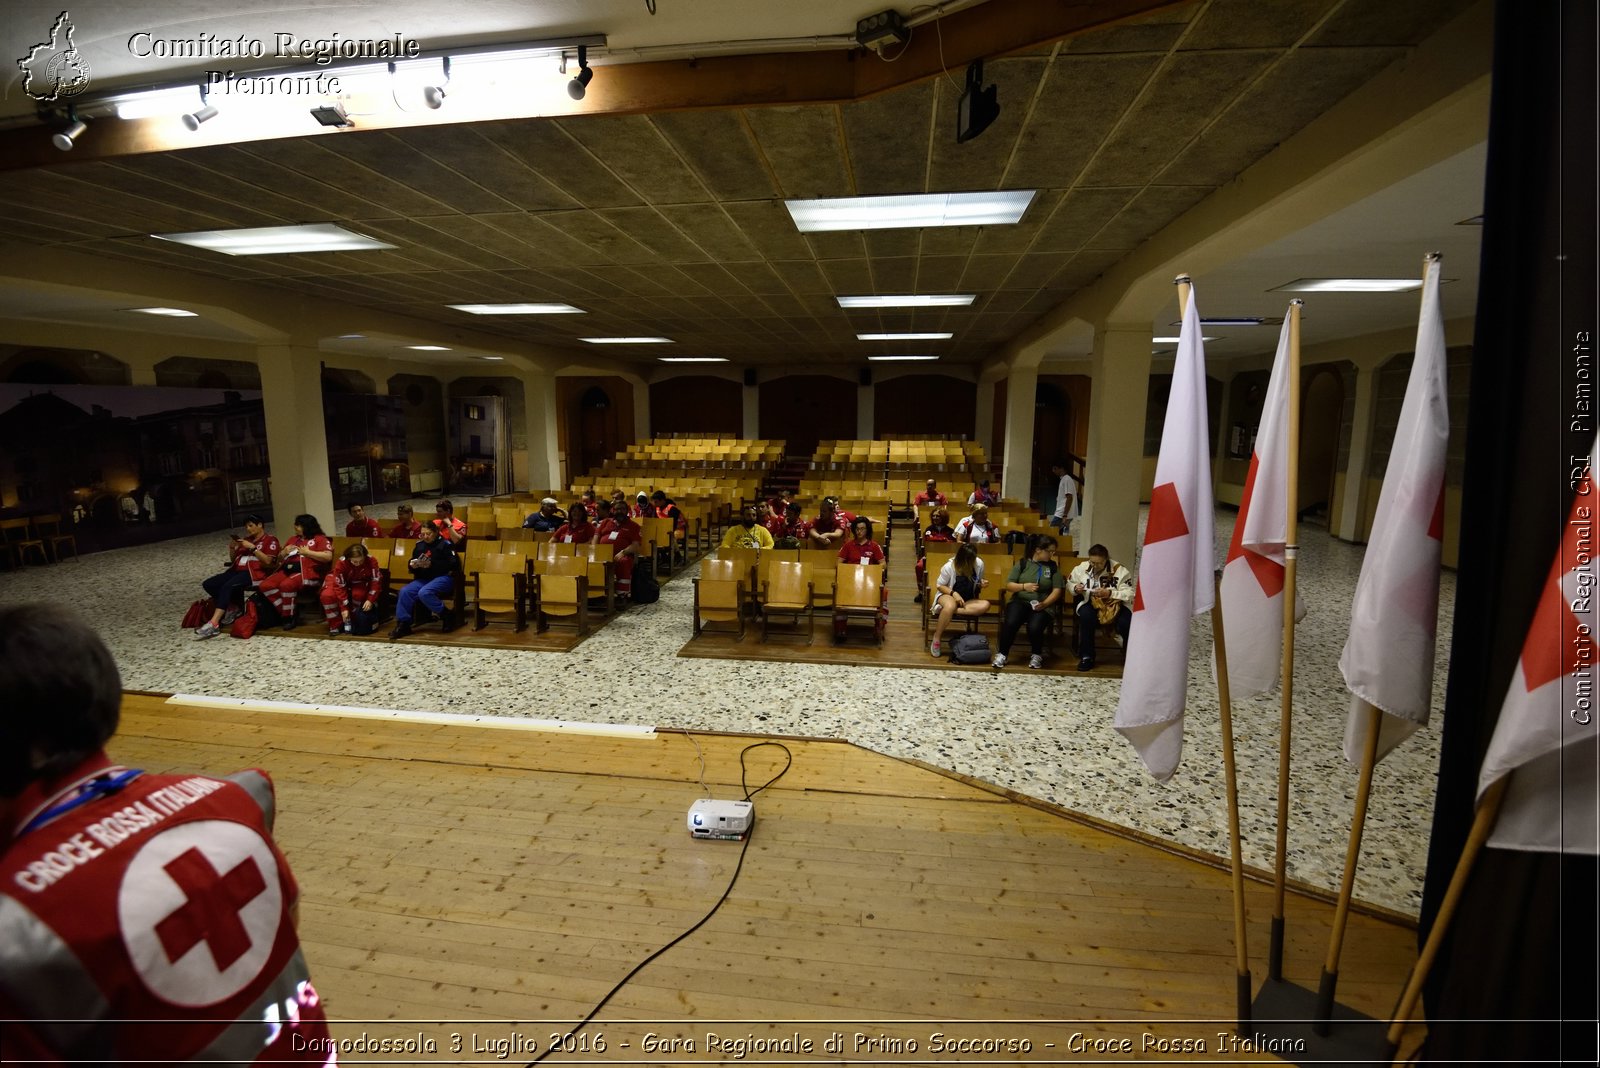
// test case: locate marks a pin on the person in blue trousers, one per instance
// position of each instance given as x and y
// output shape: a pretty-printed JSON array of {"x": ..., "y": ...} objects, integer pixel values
[{"x": 433, "y": 567}]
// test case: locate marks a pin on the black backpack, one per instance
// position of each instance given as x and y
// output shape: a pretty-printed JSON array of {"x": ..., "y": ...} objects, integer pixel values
[
  {"x": 970, "y": 649},
  {"x": 645, "y": 588}
]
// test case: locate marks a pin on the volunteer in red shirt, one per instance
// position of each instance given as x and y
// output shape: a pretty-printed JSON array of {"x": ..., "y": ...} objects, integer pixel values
[
  {"x": 248, "y": 559},
  {"x": 305, "y": 558},
  {"x": 361, "y": 525},
  {"x": 446, "y": 523},
  {"x": 861, "y": 549},
  {"x": 577, "y": 529},
  {"x": 142, "y": 915},
  {"x": 350, "y": 592},
  {"x": 405, "y": 525},
  {"x": 931, "y": 495},
  {"x": 828, "y": 530},
  {"x": 618, "y": 530}
]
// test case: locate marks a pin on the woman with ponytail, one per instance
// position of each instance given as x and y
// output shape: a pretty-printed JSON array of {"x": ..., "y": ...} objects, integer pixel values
[{"x": 1035, "y": 584}]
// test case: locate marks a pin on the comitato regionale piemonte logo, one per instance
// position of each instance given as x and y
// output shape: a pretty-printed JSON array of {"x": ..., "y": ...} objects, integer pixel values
[{"x": 54, "y": 70}]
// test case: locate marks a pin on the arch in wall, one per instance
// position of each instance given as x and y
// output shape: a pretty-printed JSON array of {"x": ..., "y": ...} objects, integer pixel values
[
  {"x": 345, "y": 381},
  {"x": 1321, "y": 415},
  {"x": 197, "y": 372},
  {"x": 46, "y": 366}
]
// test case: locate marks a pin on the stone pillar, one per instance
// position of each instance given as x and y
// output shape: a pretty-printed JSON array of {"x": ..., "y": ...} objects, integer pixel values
[
  {"x": 864, "y": 417},
  {"x": 297, "y": 440},
  {"x": 1355, "y": 474},
  {"x": 752, "y": 412},
  {"x": 1114, "y": 474},
  {"x": 544, "y": 447},
  {"x": 1016, "y": 480},
  {"x": 641, "y": 409},
  {"x": 983, "y": 425}
]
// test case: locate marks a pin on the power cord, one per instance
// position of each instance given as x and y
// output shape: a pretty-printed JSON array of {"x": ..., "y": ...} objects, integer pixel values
[{"x": 743, "y": 848}]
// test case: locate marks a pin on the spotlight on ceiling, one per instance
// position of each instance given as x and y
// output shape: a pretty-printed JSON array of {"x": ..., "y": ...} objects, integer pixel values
[
  {"x": 68, "y": 135},
  {"x": 205, "y": 113},
  {"x": 433, "y": 95},
  {"x": 331, "y": 115},
  {"x": 978, "y": 107},
  {"x": 580, "y": 85}
]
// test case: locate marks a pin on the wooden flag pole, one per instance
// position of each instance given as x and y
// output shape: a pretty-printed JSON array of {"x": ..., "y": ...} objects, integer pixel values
[
  {"x": 1242, "y": 983},
  {"x": 1482, "y": 824},
  {"x": 1291, "y": 549},
  {"x": 1352, "y": 856}
]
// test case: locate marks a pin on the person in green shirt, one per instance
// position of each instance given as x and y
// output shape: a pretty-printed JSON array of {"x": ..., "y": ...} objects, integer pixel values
[
  {"x": 747, "y": 533},
  {"x": 1035, "y": 585}
]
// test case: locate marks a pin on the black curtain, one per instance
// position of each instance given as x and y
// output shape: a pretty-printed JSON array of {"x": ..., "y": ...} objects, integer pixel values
[{"x": 1517, "y": 976}]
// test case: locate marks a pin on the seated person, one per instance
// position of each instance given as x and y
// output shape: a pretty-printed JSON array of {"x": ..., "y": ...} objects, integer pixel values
[
  {"x": 87, "y": 946},
  {"x": 939, "y": 530},
  {"x": 406, "y": 525},
  {"x": 930, "y": 495},
  {"x": 780, "y": 504},
  {"x": 747, "y": 533},
  {"x": 796, "y": 531},
  {"x": 619, "y": 504},
  {"x": 433, "y": 567},
  {"x": 1036, "y": 586},
  {"x": 547, "y": 518},
  {"x": 444, "y": 519},
  {"x": 249, "y": 557},
  {"x": 957, "y": 592},
  {"x": 861, "y": 549},
  {"x": 302, "y": 562},
  {"x": 587, "y": 499},
  {"x": 1105, "y": 589},
  {"x": 360, "y": 526},
  {"x": 982, "y": 494},
  {"x": 666, "y": 508},
  {"x": 976, "y": 527},
  {"x": 619, "y": 531},
  {"x": 350, "y": 592},
  {"x": 828, "y": 530},
  {"x": 642, "y": 508},
  {"x": 766, "y": 518},
  {"x": 577, "y": 529}
]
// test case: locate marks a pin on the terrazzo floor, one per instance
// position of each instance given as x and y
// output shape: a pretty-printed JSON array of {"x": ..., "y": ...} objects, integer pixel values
[{"x": 1047, "y": 737}]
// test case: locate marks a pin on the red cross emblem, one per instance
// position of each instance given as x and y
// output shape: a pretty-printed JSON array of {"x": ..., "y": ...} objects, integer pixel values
[{"x": 210, "y": 913}]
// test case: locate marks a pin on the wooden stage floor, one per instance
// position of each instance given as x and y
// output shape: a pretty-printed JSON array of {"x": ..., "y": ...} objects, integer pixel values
[{"x": 511, "y": 876}]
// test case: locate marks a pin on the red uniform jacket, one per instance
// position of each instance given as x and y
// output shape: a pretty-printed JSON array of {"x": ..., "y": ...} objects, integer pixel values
[
  {"x": 569, "y": 533},
  {"x": 861, "y": 553},
  {"x": 311, "y": 570},
  {"x": 363, "y": 528},
  {"x": 363, "y": 582},
  {"x": 247, "y": 560},
  {"x": 410, "y": 531}
]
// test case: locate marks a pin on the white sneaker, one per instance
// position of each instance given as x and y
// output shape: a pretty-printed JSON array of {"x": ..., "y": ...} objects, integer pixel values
[
  {"x": 1036, "y": 662},
  {"x": 1118, "y": 639},
  {"x": 206, "y": 630},
  {"x": 935, "y": 650},
  {"x": 998, "y": 662}
]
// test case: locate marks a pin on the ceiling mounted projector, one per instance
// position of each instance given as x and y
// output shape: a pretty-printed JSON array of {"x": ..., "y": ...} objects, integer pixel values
[{"x": 978, "y": 107}]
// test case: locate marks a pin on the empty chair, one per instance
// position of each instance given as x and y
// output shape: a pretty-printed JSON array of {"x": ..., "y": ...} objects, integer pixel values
[
  {"x": 787, "y": 590},
  {"x": 48, "y": 530},
  {"x": 499, "y": 588},
  {"x": 19, "y": 540},
  {"x": 561, "y": 591},
  {"x": 719, "y": 596},
  {"x": 858, "y": 594}
]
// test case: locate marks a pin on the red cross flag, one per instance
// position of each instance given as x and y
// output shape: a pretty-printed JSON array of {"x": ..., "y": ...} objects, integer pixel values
[
  {"x": 1253, "y": 577},
  {"x": 1388, "y": 658},
  {"x": 1175, "y": 572},
  {"x": 1546, "y": 738}
]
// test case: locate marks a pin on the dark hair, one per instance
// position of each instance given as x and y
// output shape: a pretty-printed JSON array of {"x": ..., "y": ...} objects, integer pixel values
[
  {"x": 449, "y": 509},
  {"x": 60, "y": 694},
  {"x": 966, "y": 560},
  {"x": 404, "y": 509},
  {"x": 858, "y": 521},
  {"x": 351, "y": 550},
  {"x": 658, "y": 496},
  {"x": 352, "y": 506},
  {"x": 256, "y": 519},
  {"x": 576, "y": 511},
  {"x": 603, "y": 502},
  {"x": 984, "y": 483},
  {"x": 1036, "y": 542},
  {"x": 308, "y": 525},
  {"x": 1099, "y": 550},
  {"x": 792, "y": 508}
]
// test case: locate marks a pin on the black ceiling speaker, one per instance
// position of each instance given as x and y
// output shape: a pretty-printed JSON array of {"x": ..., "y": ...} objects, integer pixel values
[{"x": 978, "y": 107}]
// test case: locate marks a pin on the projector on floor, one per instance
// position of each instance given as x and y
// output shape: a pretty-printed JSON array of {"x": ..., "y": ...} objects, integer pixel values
[{"x": 721, "y": 819}]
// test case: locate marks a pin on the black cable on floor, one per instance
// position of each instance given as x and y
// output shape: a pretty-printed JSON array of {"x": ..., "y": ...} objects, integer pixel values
[{"x": 743, "y": 848}]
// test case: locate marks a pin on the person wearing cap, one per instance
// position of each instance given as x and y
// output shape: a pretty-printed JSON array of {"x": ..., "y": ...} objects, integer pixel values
[
  {"x": 406, "y": 525},
  {"x": 547, "y": 518}
]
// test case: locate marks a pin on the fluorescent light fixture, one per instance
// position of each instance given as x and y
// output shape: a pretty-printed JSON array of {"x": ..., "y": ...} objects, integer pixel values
[
  {"x": 692, "y": 359},
  {"x": 518, "y": 309},
  {"x": 1245, "y": 320},
  {"x": 929, "y": 336},
  {"x": 627, "y": 340},
  {"x": 430, "y": 348},
  {"x": 176, "y": 100},
  {"x": 1348, "y": 285},
  {"x": 176, "y": 313},
  {"x": 899, "y": 359},
  {"x": 911, "y": 300},
  {"x": 922, "y": 209},
  {"x": 277, "y": 240},
  {"x": 347, "y": 337},
  {"x": 1175, "y": 340},
  {"x": 491, "y": 359}
]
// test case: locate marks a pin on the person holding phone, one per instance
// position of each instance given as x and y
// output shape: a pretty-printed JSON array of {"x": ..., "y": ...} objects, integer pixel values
[
  {"x": 249, "y": 555},
  {"x": 1105, "y": 590},
  {"x": 1036, "y": 585}
]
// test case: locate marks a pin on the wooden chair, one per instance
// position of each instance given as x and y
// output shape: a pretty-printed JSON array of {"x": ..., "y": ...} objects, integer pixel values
[
  {"x": 48, "y": 529},
  {"x": 601, "y": 574},
  {"x": 561, "y": 591},
  {"x": 824, "y": 566},
  {"x": 17, "y": 537},
  {"x": 859, "y": 595},
  {"x": 500, "y": 588},
  {"x": 719, "y": 595},
  {"x": 787, "y": 590}
]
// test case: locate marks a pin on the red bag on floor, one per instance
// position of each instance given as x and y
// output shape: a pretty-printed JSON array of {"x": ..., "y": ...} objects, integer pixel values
[
  {"x": 198, "y": 613},
  {"x": 245, "y": 625}
]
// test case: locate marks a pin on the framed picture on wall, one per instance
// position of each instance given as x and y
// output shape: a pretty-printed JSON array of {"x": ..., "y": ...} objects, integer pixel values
[{"x": 249, "y": 493}]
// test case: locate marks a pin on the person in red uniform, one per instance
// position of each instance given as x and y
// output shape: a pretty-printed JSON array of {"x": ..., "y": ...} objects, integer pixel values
[
  {"x": 577, "y": 528},
  {"x": 406, "y": 525},
  {"x": 350, "y": 592},
  {"x": 931, "y": 495},
  {"x": 360, "y": 526},
  {"x": 619, "y": 531},
  {"x": 642, "y": 508},
  {"x": 666, "y": 508},
  {"x": 828, "y": 530},
  {"x": 939, "y": 529},
  {"x": 142, "y": 915},
  {"x": 796, "y": 530},
  {"x": 776, "y": 524},
  {"x": 445, "y": 522},
  {"x": 587, "y": 499},
  {"x": 861, "y": 549},
  {"x": 305, "y": 558},
  {"x": 248, "y": 558}
]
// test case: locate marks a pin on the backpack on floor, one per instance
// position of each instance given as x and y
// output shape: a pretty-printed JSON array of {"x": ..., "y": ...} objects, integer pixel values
[
  {"x": 245, "y": 625},
  {"x": 198, "y": 613},
  {"x": 970, "y": 649},
  {"x": 645, "y": 588}
]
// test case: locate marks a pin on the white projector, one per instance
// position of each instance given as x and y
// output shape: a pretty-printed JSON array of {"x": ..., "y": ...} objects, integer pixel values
[{"x": 721, "y": 819}]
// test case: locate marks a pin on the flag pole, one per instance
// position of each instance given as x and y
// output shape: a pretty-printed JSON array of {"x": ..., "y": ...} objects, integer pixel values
[
  {"x": 1482, "y": 823},
  {"x": 1242, "y": 983},
  {"x": 1341, "y": 912},
  {"x": 1291, "y": 550}
]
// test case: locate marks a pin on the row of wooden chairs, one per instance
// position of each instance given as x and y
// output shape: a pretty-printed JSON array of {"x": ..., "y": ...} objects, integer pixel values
[
  {"x": 25, "y": 536},
  {"x": 786, "y": 588}
]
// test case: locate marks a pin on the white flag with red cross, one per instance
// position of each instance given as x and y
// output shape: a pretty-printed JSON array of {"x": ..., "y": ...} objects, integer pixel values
[
  {"x": 1545, "y": 738},
  {"x": 1175, "y": 571},
  {"x": 1388, "y": 659}
]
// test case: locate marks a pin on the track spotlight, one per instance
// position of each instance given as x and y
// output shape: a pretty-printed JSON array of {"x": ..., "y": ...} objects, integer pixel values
[
  {"x": 580, "y": 85},
  {"x": 433, "y": 95},
  {"x": 195, "y": 118},
  {"x": 68, "y": 135}
]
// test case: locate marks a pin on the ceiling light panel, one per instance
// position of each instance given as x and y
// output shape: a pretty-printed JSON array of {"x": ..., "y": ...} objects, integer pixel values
[
  {"x": 930, "y": 336},
  {"x": 176, "y": 313},
  {"x": 910, "y": 300},
  {"x": 1000, "y": 208},
  {"x": 1348, "y": 285},
  {"x": 518, "y": 309},
  {"x": 278, "y": 240},
  {"x": 627, "y": 340}
]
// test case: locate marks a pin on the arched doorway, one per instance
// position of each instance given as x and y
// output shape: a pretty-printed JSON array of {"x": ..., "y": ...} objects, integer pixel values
[
  {"x": 596, "y": 429},
  {"x": 1321, "y": 413}
]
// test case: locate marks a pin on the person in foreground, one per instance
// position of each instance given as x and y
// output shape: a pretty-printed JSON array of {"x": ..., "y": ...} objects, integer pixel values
[
  {"x": 1036, "y": 585},
  {"x": 1106, "y": 590},
  {"x": 142, "y": 916}
]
